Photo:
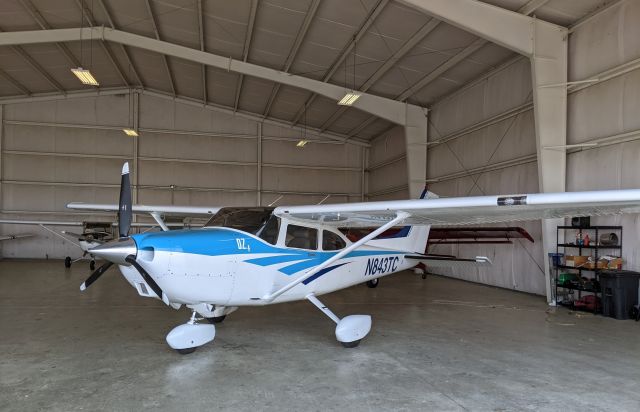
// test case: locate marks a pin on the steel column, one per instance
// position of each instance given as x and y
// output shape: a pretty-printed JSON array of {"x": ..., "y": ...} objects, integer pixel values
[
  {"x": 546, "y": 46},
  {"x": 415, "y": 134},
  {"x": 259, "y": 165}
]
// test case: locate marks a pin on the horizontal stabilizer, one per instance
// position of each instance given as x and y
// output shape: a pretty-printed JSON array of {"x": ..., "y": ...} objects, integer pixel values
[{"x": 449, "y": 261}]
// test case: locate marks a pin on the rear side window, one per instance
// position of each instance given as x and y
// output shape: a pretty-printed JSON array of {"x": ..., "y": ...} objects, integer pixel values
[
  {"x": 331, "y": 241},
  {"x": 301, "y": 237}
]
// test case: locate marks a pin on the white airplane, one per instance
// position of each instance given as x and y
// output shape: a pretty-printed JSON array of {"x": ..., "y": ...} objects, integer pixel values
[{"x": 253, "y": 256}]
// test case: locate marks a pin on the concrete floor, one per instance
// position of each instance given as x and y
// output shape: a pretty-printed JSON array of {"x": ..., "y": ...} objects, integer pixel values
[{"x": 436, "y": 344}]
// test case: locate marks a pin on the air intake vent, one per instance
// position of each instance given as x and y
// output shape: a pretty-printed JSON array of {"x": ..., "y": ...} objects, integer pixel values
[{"x": 143, "y": 289}]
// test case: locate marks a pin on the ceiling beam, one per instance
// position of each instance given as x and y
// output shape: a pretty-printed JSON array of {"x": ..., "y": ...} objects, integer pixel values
[
  {"x": 531, "y": 6},
  {"x": 164, "y": 56},
  {"x": 37, "y": 16},
  {"x": 245, "y": 50},
  {"x": 15, "y": 83},
  {"x": 495, "y": 24},
  {"x": 202, "y": 48},
  {"x": 294, "y": 51},
  {"x": 132, "y": 68},
  {"x": 528, "y": 8},
  {"x": 88, "y": 15},
  {"x": 84, "y": 93},
  {"x": 413, "y": 41},
  {"x": 368, "y": 21},
  {"x": 36, "y": 66},
  {"x": 391, "y": 110}
]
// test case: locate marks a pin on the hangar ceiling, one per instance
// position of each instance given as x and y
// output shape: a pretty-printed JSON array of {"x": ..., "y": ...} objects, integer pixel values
[{"x": 382, "y": 47}]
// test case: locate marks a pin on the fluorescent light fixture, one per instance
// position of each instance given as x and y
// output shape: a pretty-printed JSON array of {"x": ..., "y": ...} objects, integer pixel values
[
  {"x": 302, "y": 142},
  {"x": 349, "y": 99},
  {"x": 130, "y": 132},
  {"x": 85, "y": 76}
]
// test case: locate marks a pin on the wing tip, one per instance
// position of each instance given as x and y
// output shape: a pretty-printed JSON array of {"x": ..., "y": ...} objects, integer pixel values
[{"x": 125, "y": 168}]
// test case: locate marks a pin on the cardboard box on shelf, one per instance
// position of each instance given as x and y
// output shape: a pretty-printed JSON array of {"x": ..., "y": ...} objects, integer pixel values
[
  {"x": 576, "y": 261},
  {"x": 615, "y": 263}
]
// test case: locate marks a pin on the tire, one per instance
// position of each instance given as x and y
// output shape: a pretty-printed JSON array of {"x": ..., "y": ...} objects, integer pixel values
[
  {"x": 186, "y": 351},
  {"x": 373, "y": 283},
  {"x": 67, "y": 262},
  {"x": 353, "y": 344},
  {"x": 217, "y": 319},
  {"x": 92, "y": 265},
  {"x": 424, "y": 276}
]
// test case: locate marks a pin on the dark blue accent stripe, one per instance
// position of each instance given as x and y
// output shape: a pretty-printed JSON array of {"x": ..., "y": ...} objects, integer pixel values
[
  {"x": 404, "y": 232},
  {"x": 322, "y": 272}
]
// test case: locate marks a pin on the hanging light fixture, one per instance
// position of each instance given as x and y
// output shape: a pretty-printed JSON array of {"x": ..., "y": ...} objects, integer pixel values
[
  {"x": 84, "y": 75},
  {"x": 349, "y": 98},
  {"x": 304, "y": 140},
  {"x": 352, "y": 95},
  {"x": 131, "y": 131}
]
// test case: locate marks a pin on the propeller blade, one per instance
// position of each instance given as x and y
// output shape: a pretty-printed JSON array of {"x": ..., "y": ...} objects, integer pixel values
[
  {"x": 95, "y": 275},
  {"x": 147, "y": 278},
  {"x": 124, "y": 209}
]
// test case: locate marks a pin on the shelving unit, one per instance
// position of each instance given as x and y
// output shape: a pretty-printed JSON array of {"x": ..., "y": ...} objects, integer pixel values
[{"x": 594, "y": 251}]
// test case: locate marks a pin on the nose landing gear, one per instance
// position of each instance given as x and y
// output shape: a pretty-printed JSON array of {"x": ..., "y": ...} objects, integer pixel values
[{"x": 188, "y": 337}]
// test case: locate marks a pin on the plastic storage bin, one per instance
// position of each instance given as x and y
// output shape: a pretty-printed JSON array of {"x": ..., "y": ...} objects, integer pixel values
[
  {"x": 556, "y": 259},
  {"x": 619, "y": 292}
]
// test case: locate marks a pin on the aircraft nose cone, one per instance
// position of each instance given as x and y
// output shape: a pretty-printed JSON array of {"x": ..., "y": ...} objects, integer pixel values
[{"x": 116, "y": 251}]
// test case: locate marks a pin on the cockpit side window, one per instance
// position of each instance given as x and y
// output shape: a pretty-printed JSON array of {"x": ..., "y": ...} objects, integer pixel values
[
  {"x": 301, "y": 237},
  {"x": 269, "y": 232},
  {"x": 331, "y": 241}
]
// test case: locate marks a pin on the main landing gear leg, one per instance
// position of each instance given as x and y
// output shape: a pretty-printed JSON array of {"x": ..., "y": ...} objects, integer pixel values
[
  {"x": 351, "y": 329},
  {"x": 188, "y": 337}
]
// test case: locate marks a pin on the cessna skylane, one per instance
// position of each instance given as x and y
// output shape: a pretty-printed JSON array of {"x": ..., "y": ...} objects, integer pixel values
[{"x": 254, "y": 256}]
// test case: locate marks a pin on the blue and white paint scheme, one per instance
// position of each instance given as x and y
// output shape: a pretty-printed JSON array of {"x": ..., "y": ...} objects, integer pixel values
[{"x": 252, "y": 256}]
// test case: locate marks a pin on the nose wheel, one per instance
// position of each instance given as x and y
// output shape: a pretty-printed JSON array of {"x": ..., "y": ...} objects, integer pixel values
[{"x": 187, "y": 338}]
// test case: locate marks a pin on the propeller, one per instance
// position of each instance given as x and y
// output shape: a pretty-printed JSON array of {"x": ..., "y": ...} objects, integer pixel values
[
  {"x": 115, "y": 250},
  {"x": 95, "y": 275},
  {"x": 124, "y": 222},
  {"x": 124, "y": 207}
]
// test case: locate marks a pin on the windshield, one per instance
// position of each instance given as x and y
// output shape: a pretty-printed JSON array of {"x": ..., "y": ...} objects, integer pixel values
[{"x": 247, "y": 219}]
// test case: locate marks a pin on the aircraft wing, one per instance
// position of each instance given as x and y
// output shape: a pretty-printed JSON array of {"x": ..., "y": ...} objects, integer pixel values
[
  {"x": 12, "y": 237},
  {"x": 163, "y": 209},
  {"x": 40, "y": 222},
  {"x": 433, "y": 261},
  {"x": 477, "y": 210}
]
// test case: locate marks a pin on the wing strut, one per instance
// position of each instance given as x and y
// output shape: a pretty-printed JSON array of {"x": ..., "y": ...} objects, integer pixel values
[
  {"x": 156, "y": 216},
  {"x": 400, "y": 216}
]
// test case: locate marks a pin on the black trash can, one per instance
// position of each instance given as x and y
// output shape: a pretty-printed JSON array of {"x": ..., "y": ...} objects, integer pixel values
[{"x": 619, "y": 292}]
